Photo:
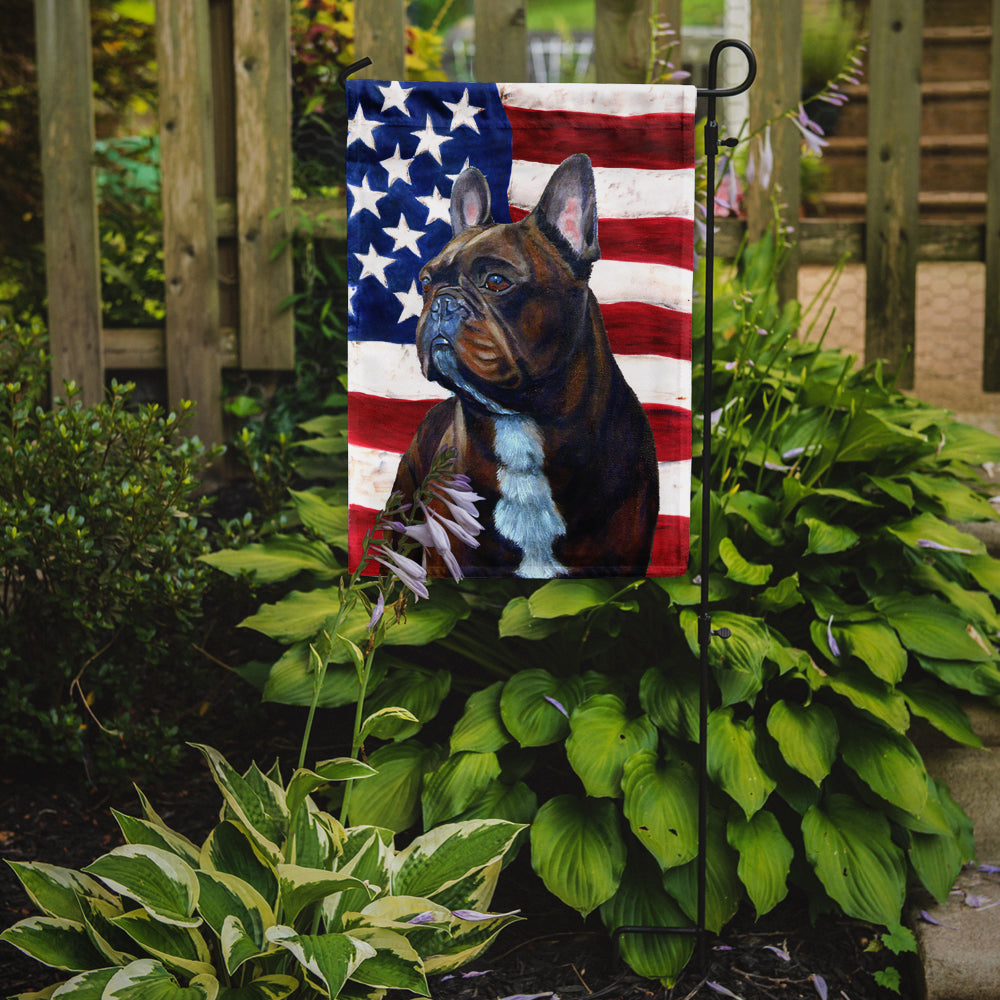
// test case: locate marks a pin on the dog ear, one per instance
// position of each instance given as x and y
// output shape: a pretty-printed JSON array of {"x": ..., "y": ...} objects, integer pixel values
[
  {"x": 470, "y": 201},
  {"x": 567, "y": 210}
]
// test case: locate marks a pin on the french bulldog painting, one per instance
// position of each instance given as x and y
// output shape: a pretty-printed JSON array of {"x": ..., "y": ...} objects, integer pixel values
[{"x": 541, "y": 418}]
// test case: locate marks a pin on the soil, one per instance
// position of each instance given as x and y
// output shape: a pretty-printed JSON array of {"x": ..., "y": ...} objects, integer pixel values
[{"x": 550, "y": 953}]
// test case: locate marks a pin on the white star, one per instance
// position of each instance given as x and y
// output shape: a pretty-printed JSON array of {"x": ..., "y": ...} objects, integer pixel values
[
  {"x": 395, "y": 97},
  {"x": 413, "y": 301},
  {"x": 360, "y": 128},
  {"x": 404, "y": 236},
  {"x": 454, "y": 177},
  {"x": 430, "y": 141},
  {"x": 397, "y": 168},
  {"x": 365, "y": 197},
  {"x": 438, "y": 207},
  {"x": 374, "y": 264},
  {"x": 463, "y": 113}
]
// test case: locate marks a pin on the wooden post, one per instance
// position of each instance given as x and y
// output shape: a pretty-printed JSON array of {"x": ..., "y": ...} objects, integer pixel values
[
  {"x": 893, "y": 183},
  {"x": 622, "y": 40},
  {"x": 991, "y": 333},
  {"x": 380, "y": 34},
  {"x": 72, "y": 255},
  {"x": 262, "y": 60},
  {"x": 501, "y": 41},
  {"x": 776, "y": 35},
  {"x": 190, "y": 254}
]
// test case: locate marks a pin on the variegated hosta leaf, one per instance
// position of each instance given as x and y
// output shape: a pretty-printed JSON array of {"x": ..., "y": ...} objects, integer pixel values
[
  {"x": 441, "y": 857},
  {"x": 86, "y": 986},
  {"x": 481, "y": 727},
  {"x": 765, "y": 858},
  {"x": 476, "y": 890},
  {"x": 535, "y": 706},
  {"x": 395, "y": 964},
  {"x": 661, "y": 800},
  {"x": 418, "y": 691},
  {"x": 456, "y": 784},
  {"x": 315, "y": 838},
  {"x": 366, "y": 855},
  {"x": 329, "y": 959},
  {"x": 642, "y": 902},
  {"x": 851, "y": 849},
  {"x": 230, "y": 849},
  {"x": 807, "y": 736},
  {"x": 466, "y": 941},
  {"x": 56, "y": 891},
  {"x": 300, "y": 887},
  {"x": 304, "y": 782},
  {"x": 147, "y": 979},
  {"x": 732, "y": 760},
  {"x": 54, "y": 941},
  {"x": 225, "y": 897},
  {"x": 116, "y": 947},
  {"x": 274, "y": 987},
  {"x": 158, "y": 880},
  {"x": 141, "y": 831},
  {"x": 578, "y": 851},
  {"x": 177, "y": 947}
]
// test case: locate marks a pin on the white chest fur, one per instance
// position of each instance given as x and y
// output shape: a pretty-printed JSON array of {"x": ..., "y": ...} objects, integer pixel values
[{"x": 526, "y": 514}]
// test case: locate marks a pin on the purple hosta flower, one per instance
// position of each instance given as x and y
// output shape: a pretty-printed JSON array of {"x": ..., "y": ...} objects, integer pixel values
[
  {"x": 989, "y": 869},
  {"x": 475, "y": 915},
  {"x": 834, "y": 648},
  {"x": 719, "y": 988},
  {"x": 427, "y": 917},
  {"x": 460, "y": 502},
  {"x": 727, "y": 198},
  {"x": 558, "y": 705},
  {"x": 410, "y": 573},
  {"x": 820, "y": 983},
  {"x": 780, "y": 952},
  {"x": 761, "y": 164},
  {"x": 927, "y": 543},
  {"x": 811, "y": 132},
  {"x": 377, "y": 611}
]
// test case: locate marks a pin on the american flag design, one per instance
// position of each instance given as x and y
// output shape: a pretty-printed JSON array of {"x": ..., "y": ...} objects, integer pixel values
[{"x": 406, "y": 145}]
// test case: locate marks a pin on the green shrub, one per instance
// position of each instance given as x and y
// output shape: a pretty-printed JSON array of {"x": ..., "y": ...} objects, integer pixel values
[
  {"x": 101, "y": 584},
  {"x": 279, "y": 900}
]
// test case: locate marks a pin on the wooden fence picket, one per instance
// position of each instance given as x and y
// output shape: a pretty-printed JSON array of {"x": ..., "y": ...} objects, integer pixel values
[{"x": 991, "y": 331}]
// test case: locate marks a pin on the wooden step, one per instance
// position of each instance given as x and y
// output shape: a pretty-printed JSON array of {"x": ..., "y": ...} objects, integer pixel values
[
  {"x": 944, "y": 104},
  {"x": 958, "y": 206},
  {"x": 956, "y": 53},
  {"x": 945, "y": 12}
]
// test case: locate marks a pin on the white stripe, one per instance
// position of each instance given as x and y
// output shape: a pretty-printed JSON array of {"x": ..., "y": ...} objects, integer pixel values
[
  {"x": 622, "y": 193},
  {"x": 640, "y": 99},
  {"x": 372, "y": 473},
  {"x": 392, "y": 372},
  {"x": 655, "y": 284}
]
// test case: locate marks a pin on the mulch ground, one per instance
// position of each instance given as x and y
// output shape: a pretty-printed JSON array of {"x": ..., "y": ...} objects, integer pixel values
[{"x": 550, "y": 953}]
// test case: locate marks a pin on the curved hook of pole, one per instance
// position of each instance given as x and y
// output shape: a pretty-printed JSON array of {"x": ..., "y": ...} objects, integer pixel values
[
  {"x": 348, "y": 70},
  {"x": 713, "y": 69}
]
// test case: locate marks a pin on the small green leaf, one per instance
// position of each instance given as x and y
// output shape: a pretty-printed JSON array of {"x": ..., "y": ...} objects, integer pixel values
[
  {"x": 807, "y": 736},
  {"x": 180, "y": 948},
  {"x": 765, "y": 858},
  {"x": 739, "y": 569},
  {"x": 560, "y": 598},
  {"x": 279, "y": 558},
  {"x": 327, "y": 520},
  {"x": 828, "y": 539},
  {"x": 936, "y": 704},
  {"x": 481, "y": 727},
  {"x": 732, "y": 760}
]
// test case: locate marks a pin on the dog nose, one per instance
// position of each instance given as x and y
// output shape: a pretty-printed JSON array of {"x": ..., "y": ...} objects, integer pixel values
[
  {"x": 447, "y": 315},
  {"x": 444, "y": 307}
]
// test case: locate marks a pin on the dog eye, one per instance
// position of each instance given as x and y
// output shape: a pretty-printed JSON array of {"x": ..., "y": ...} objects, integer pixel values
[
  {"x": 496, "y": 283},
  {"x": 425, "y": 281}
]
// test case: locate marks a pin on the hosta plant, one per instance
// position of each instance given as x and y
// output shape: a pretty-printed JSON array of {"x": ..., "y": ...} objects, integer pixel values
[{"x": 279, "y": 900}]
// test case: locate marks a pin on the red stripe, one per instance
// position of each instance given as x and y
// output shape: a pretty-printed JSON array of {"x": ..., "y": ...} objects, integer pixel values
[
  {"x": 359, "y": 521},
  {"x": 671, "y": 431},
  {"x": 640, "y": 328},
  {"x": 383, "y": 423},
  {"x": 670, "y": 546},
  {"x": 644, "y": 142}
]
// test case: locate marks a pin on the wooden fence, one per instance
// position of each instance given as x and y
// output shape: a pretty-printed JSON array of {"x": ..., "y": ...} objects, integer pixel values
[{"x": 226, "y": 160}]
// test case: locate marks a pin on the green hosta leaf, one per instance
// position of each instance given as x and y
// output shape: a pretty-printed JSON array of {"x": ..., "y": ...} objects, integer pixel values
[
  {"x": 418, "y": 691},
  {"x": 391, "y": 798},
  {"x": 516, "y": 803},
  {"x": 888, "y": 763},
  {"x": 783, "y": 595},
  {"x": 54, "y": 941},
  {"x": 578, "y": 851},
  {"x": 976, "y": 605},
  {"x": 141, "y": 831},
  {"x": 225, "y": 897},
  {"x": 385, "y": 723},
  {"x": 732, "y": 760},
  {"x": 559, "y": 598},
  {"x": 758, "y": 511},
  {"x": 528, "y": 710},
  {"x": 438, "y": 859},
  {"x": 850, "y": 847},
  {"x": 602, "y": 738},
  {"x": 456, "y": 784},
  {"x": 723, "y": 889},
  {"x": 941, "y": 709},
  {"x": 937, "y": 859},
  {"x": 159, "y": 881},
  {"x": 56, "y": 891},
  {"x": 661, "y": 798},
  {"x": 827, "y": 539},
  {"x": 738, "y": 569},
  {"x": 395, "y": 964},
  {"x": 230, "y": 849},
  {"x": 986, "y": 571},
  {"x": 965, "y": 443},
  {"x": 876, "y": 646},
  {"x": 301, "y": 887},
  {"x": 671, "y": 700},
  {"x": 327, "y": 520},
  {"x": 481, "y": 728},
  {"x": 931, "y": 628},
  {"x": 928, "y": 528},
  {"x": 180, "y": 948},
  {"x": 957, "y": 501},
  {"x": 976, "y": 678},
  {"x": 765, "y": 858},
  {"x": 279, "y": 558},
  {"x": 275, "y": 987},
  {"x": 866, "y": 692},
  {"x": 517, "y": 620},
  {"x": 330, "y": 959},
  {"x": 292, "y": 681},
  {"x": 893, "y": 488},
  {"x": 260, "y": 809},
  {"x": 641, "y": 901},
  {"x": 738, "y": 661},
  {"x": 807, "y": 736},
  {"x": 870, "y": 435},
  {"x": 147, "y": 979}
]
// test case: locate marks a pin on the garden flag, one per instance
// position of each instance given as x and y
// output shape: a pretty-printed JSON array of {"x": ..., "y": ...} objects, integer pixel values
[{"x": 520, "y": 281}]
